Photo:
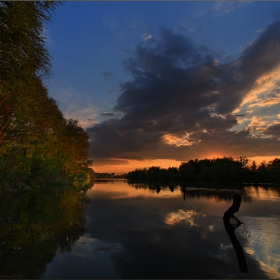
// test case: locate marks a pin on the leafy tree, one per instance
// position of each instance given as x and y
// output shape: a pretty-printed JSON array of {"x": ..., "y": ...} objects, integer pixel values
[
  {"x": 253, "y": 166},
  {"x": 274, "y": 165},
  {"x": 73, "y": 146},
  {"x": 22, "y": 54},
  {"x": 37, "y": 144},
  {"x": 245, "y": 163},
  {"x": 262, "y": 167}
]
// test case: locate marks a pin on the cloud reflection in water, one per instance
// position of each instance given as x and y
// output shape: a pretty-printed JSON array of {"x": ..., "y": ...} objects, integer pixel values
[{"x": 187, "y": 217}]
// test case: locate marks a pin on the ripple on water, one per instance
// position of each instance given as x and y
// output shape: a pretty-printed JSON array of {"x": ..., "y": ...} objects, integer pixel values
[{"x": 262, "y": 240}]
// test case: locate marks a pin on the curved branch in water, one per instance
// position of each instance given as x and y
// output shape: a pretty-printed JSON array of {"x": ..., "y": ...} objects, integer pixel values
[{"x": 230, "y": 231}]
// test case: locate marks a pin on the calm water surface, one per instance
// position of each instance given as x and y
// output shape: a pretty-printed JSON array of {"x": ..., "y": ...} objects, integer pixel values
[
  {"x": 139, "y": 231},
  {"x": 133, "y": 231}
]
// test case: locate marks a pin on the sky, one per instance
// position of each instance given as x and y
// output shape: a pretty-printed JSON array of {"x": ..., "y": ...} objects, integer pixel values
[{"x": 158, "y": 83}]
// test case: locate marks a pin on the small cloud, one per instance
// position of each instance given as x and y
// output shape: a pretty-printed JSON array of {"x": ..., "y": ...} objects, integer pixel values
[
  {"x": 260, "y": 30},
  {"x": 110, "y": 21},
  {"x": 217, "y": 7},
  {"x": 146, "y": 38},
  {"x": 223, "y": 8},
  {"x": 107, "y": 74},
  {"x": 178, "y": 141},
  {"x": 249, "y": 112},
  {"x": 107, "y": 114}
]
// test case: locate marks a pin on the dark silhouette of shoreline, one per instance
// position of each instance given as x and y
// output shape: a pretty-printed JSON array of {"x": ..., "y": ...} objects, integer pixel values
[{"x": 224, "y": 169}]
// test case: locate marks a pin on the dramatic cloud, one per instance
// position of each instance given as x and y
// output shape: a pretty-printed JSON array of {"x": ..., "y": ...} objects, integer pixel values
[{"x": 182, "y": 101}]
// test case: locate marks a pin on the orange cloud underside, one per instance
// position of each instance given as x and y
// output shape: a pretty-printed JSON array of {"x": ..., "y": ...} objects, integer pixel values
[{"x": 265, "y": 83}]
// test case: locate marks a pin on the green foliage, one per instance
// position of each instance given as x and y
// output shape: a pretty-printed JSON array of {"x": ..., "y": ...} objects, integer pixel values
[
  {"x": 38, "y": 146},
  {"x": 23, "y": 57}
]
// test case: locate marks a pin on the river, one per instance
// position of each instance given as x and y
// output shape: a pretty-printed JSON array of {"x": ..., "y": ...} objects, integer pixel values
[{"x": 122, "y": 230}]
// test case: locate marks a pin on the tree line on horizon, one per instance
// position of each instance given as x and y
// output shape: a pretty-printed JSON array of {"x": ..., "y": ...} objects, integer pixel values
[
  {"x": 216, "y": 168},
  {"x": 38, "y": 145}
]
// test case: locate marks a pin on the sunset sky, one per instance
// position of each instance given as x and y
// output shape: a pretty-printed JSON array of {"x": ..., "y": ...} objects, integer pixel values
[{"x": 157, "y": 83}]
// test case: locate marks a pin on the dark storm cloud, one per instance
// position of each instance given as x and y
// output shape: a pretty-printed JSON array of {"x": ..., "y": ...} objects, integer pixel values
[
  {"x": 179, "y": 87},
  {"x": 273, "y": 130}
]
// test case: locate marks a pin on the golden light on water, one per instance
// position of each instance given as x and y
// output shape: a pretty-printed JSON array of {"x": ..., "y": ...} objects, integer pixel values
[
  {"x": 263, "y": 244},
  {"x": 121, "y": 189},
  {"x": 261, "y": 193}
]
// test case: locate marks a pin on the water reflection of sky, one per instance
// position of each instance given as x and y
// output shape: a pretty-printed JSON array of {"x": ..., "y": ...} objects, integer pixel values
[
  {"x": 139, "y": 233},
  {"x": 90, "y": 258}
]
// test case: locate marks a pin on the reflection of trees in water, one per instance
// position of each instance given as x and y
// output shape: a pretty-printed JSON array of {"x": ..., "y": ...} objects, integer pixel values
[
  {"x": 37, "y": 226},
  {"x": 267, "y": 190},
  {"x": 220, "y": 192}
]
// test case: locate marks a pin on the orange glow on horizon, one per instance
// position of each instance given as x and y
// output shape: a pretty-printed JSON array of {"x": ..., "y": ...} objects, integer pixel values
[
  {"x": 123, "y": 166},
  {"x": 130, "y": 165},
  {"x": 267, "y": 159}
]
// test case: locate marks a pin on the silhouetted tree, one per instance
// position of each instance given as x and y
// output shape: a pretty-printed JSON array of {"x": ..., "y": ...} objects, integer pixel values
[
  {"x": 186, "y": 169},
  {"x": 274, "y": 165},
  {"x": 262, "y": 167},
  {"x": 253, "y": 166}
]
